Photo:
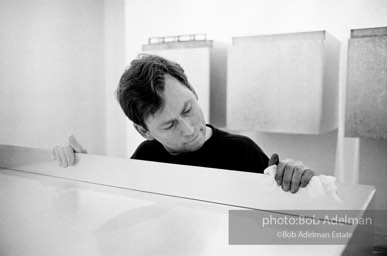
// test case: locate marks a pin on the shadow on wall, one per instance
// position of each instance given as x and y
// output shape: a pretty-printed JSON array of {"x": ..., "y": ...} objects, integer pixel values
[{"x": 373, "y": 171}]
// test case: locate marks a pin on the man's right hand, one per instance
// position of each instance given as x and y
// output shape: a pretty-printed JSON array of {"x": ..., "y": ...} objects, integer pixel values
[{"x": 65, "y": 153}]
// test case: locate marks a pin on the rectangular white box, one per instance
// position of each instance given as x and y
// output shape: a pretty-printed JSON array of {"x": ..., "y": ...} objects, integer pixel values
[
  {"x": 284, "y": 83},
  {"x": 366, "y": 102}
]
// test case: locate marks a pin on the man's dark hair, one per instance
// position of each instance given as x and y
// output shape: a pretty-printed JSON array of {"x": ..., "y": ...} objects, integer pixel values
[{"x": 140, "y": 89}]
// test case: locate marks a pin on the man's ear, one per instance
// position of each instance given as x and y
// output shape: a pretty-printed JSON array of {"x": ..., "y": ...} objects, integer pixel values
[{"x": 144, "y": 133}]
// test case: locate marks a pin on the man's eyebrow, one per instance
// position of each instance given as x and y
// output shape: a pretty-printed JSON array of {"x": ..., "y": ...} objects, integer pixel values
[{"x": 182, "y": 112}]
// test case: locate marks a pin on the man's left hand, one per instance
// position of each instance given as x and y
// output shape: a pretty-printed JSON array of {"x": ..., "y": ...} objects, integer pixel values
[{"x": 291, "y": 175}]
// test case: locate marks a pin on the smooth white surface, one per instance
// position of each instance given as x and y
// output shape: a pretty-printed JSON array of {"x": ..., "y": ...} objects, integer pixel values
[
  {"x": 50, "y": 216},
  {"x": 208, "y": 184},
  {"x": 97, "y": 208}
]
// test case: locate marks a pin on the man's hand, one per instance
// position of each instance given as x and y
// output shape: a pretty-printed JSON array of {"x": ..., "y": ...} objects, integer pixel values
[
  {"x": 65, "y": 153},
  {"x": 291, "y": 174}
]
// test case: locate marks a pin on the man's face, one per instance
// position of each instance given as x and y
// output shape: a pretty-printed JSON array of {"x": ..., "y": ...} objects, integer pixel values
[{"x": 180, "y": 125}]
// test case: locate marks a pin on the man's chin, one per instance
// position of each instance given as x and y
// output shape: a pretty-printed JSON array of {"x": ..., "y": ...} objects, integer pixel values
[{"x": 195, "y": 146}]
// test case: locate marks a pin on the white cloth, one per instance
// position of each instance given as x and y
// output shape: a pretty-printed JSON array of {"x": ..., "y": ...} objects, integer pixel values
[{"x": 319, "y": 186}]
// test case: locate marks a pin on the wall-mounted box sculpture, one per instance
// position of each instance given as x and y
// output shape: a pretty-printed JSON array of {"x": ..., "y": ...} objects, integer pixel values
[
  {"x": 285, "y": 83},
  {"x": 366, "y": 102},
  {"x": 205, "y": 64}
]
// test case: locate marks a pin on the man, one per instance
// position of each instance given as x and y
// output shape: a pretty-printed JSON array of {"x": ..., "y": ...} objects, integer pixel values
[{"x": 156, "y": 96}]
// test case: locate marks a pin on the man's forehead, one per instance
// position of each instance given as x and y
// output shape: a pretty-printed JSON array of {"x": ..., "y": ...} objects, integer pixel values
[
  {"x": 167, "y": 113},
  {"x": 170, "y": 110},
  {"x": 158, "y": 117},
  {"x": 175, "y": 97}
]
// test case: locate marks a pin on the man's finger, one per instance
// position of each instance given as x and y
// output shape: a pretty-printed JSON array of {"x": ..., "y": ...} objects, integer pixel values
[
  {"x": 63, "y": 156},
  {"x": 76, "y": 145},
  {"x": 69, "y": 153},
  {"x": 296, "y": 179},
  {"x": 274, "y": 160},
  {"x": 287, "y": 178},
  {"x": 280, "y": 171},
  {"x": 306, "y": 176}
]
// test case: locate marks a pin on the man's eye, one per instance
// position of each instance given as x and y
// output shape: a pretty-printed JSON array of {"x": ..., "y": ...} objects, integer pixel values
[
  {"x": 188, "y": 109},
  {"x": 169, "y": 126}
]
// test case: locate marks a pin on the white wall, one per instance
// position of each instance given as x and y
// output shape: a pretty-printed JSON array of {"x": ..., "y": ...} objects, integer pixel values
[
  {"x": 114, "y": 67},
  {"x": 52, "y": 71}
]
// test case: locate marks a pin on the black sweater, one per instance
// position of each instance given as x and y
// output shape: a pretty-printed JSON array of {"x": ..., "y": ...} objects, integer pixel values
[{"x": 223, "y": 150}]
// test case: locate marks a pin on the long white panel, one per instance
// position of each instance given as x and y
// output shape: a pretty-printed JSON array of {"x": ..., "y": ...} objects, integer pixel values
[
  {"x": 43, "y": 215},
  {"x": 207, "y": 184},
  {"x": 116, "y": 206}
]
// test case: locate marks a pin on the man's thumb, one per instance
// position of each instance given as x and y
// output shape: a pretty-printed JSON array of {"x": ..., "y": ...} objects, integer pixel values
[
  {"x": 75, "y": 144},
  {"x": 274, "y": 159}
]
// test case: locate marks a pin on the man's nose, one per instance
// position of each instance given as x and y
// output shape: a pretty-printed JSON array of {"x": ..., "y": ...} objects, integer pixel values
[{"x": 186, "y": 127}]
